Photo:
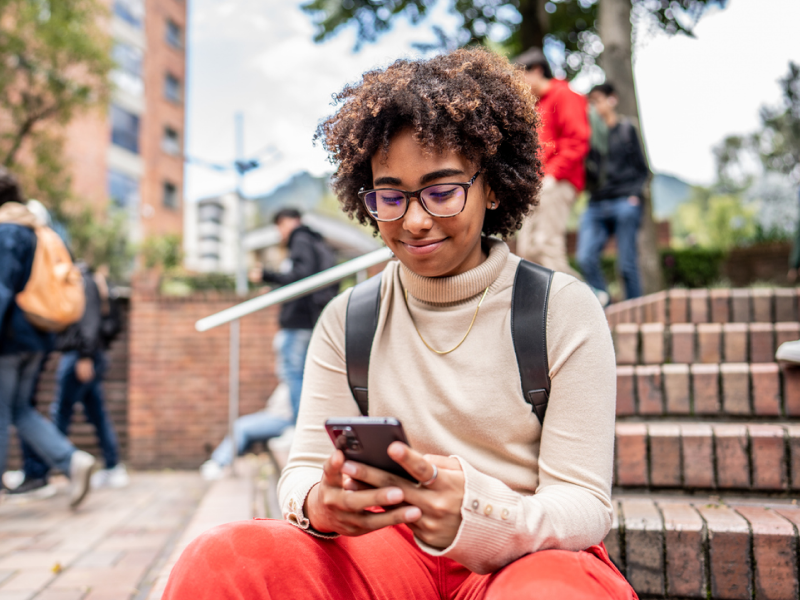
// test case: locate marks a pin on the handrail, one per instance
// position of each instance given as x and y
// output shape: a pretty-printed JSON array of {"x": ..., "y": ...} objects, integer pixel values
[{"x": 295, "y": 290}]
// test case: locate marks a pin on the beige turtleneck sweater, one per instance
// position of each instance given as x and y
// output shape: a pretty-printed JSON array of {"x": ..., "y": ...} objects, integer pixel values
[{"x": 547, "y": 487}]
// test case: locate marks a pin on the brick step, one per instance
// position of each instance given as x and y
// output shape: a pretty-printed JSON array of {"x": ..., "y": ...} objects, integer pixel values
[
  {"x": 752, "y": 305},
  {"x": 656, "y": 343},
  {"x": 729, "y": 389},
  {"x": 705, "y": 548},
  {"x": 704, "y": 456}
]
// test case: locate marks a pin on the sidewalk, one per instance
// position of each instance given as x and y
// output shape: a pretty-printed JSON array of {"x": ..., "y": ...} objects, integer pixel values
[{"x": 120, "y": 544}]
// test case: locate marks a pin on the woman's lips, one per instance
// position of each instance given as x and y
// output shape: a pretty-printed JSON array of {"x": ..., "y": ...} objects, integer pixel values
[{"x": 419, "y": 247}]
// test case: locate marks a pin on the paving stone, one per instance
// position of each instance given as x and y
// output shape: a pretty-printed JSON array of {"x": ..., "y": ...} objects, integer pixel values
[
  {"x": 665, "y": 454},
  {"x": 774, "y": 553},
  {"x": 698, "y": 306},
  {"x": 720, "y": 305},
  {"x": 698, "y": 455},
  {"x": 729, "y": 552},
  {"x": 735, "y": 342},
  {"x": 16, "y": 595},
  {"x": 709, "y": 343},
  {"x": 793, "y": 434},
  {"x": 735, "y": 388},
  {"x": 762, "y": 305},
  {"x": 648, "y": 390},
  {"x": 626, "y": 343},
  {"x": 733, "y": 466},
  {"x": 676, "y": 388},
  {"x": 49, "y": 594},
  {"x": 762, "y": 342},
  {"x": 686, "y": 557},
  {"x": 682, "y": 338},
  {"x": 659, "y": 308},
  {"x": 644, "y": 543},
  {"x": 631, "y": 454},
  {"x": 786, "y": 332},
  {"x": 765, "y": 378},
  {"x": 30, "y": 579},
  {"x": 626, "y": 401},
  {"x": 768, "y": 452},
  {"x": 740, "y": 306},
  {"x": 99, "y": 558},
  {"x": 678, "y": 306},
  {"x": 791, "y": 390},
  {"x": 653, "y": 339},
  {"x": 785, "y": 304},
  {"x": 705, "y": 388}
]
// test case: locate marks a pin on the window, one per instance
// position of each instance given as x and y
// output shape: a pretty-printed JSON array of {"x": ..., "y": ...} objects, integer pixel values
[
  {"x": 128, "y": 73},
  {"x": 130, "y": 11},
  {"x": 209, "y": 238},
  {"x": 123, "y": 190},
  {"x": 124, "y": 129},
  {"x": 170, "y": 141},
  {"x": 210, "y": 213},
  {"x": 170, "y": 196},
  {"x": 174, "y": 34},
  {"x": 172, "y": 88}
]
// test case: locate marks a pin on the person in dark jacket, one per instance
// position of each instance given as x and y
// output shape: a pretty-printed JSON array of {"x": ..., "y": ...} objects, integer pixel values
[
  {"x": 80, "y": 376},
  {"x": 308, "y": 254},
  {"x": 615, "y": 204},
  {"x": 23, "y": 349}
]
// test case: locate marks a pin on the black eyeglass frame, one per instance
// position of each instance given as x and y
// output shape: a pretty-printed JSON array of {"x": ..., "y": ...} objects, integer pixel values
[{"x": 362, "y": 194}]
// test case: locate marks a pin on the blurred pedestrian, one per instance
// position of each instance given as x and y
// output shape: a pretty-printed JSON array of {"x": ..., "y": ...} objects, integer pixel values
[
  {"x": 616, "y": 186},
  {"x": 80, "y": 373},
  {"x": 564, "y": 137},
  {"x": 27, "y": 249}
]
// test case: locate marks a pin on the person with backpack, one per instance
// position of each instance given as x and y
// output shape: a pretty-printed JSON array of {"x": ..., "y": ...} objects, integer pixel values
[
  {"x": 40, "y": 292},
  {"x": 616, "y": 173},
  {"x": 79, "y": 377},
  {"x": 512, "y": 491}
]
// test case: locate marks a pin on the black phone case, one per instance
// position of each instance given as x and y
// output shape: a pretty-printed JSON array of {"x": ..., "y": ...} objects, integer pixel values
[{"x": 375, "y": 434}]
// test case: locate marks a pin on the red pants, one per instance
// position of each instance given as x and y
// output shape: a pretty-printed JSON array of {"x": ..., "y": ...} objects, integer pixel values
[{"x": 273, "y": 560}]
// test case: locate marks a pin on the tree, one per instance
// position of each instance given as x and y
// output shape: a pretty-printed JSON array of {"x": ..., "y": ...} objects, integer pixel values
[{"x": 589, "y": 33}]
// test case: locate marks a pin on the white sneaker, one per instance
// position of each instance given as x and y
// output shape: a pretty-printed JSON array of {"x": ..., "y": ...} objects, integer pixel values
[
  {"x": 789, "y": 352},
  {"x": 211, "y": 471},
  {"x": 115, "y": 478},
  {"x": 13, "y": 479},
  {"x": 80, "y": 472}
]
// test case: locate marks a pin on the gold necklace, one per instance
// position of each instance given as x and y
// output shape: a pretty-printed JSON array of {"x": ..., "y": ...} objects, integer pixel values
[{"x": 427, "y": 345}]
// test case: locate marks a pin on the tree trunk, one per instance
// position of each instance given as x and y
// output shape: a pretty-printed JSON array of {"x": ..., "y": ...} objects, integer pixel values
[
  {"x": 614, "y": 27},
  {"x": 534, "y": 24}
]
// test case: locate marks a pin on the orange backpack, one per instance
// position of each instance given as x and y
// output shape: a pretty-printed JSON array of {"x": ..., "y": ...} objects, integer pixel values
[{"x": 53, "y": 298}]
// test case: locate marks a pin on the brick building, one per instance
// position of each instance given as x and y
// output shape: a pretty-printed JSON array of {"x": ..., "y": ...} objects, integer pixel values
[{"x": 130, "y": 156}]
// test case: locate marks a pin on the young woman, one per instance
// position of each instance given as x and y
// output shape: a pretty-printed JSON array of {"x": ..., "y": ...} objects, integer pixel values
[{"x": 439, "y": 155}]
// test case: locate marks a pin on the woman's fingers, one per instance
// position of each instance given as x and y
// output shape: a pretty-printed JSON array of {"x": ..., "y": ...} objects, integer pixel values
[
  {"x": 417, "y": 465},
  {"x": 444, "y": 462}
]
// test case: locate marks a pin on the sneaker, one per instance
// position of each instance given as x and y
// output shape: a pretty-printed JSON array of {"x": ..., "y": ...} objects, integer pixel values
[
  {"x": 789, "y": 352},
  {"x": 211, "y": 471},
  {"x": 12, "y": 479},
  {"x": 30, "y": 489},
  {"x": 116, "y": 477},
  {"x": 80, "y": 472}
]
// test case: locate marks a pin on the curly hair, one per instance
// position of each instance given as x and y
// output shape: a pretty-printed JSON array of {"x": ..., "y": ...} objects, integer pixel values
[{"x": 470, "y": 101}]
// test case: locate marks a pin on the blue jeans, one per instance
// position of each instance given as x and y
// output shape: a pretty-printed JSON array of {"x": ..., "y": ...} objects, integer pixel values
[
  {"x": 602, "y": 219},
  {"x": 18, "y": 375},
  {"x": 90, "y": 394},
  {"x": 291, "y": 346},
  {"x": 256, "y": 427}
]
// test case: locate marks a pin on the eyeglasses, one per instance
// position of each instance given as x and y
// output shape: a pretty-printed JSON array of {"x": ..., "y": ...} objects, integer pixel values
[{"x": 439, "y": 200}]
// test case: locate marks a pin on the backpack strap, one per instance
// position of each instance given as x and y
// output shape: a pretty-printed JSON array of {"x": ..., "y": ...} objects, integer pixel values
[
  {"x": 529, "y": 333},
  {"x": 361, "y": 321}
]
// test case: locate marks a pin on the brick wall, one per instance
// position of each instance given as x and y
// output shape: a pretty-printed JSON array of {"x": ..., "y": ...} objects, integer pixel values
[{"x": 178, "y": 393}]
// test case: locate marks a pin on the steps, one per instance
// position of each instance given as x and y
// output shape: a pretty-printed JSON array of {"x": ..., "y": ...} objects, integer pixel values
[{"x": 707, "y": 457}]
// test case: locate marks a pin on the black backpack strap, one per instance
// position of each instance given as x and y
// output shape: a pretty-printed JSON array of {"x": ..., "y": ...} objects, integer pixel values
[
  {"x": 361, "y": 322},
  {"x": 529, "y": 333}
]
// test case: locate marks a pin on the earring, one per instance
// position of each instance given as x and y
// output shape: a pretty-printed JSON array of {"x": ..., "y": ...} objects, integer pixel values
[{"x": 493, "y": 206}]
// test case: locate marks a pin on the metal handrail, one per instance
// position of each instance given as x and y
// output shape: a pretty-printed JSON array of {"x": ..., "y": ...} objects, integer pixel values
[{"x": 295, "y": 290}]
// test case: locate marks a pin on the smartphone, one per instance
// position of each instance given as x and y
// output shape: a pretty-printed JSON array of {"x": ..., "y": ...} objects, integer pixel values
[{"x": 366, "y": 440}]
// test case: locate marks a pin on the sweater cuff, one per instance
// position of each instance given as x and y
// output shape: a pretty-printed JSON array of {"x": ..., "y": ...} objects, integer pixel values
[
  {"x": 293, "y": 511},
  {"x": 489, "y": 513}
]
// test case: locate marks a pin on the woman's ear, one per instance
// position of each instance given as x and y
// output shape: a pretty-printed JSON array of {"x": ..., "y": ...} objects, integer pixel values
[{"x": 491, "y": 199}]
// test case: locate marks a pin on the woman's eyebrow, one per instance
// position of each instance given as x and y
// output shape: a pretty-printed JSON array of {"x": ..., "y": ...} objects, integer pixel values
[{"x": 386, "y": 180}]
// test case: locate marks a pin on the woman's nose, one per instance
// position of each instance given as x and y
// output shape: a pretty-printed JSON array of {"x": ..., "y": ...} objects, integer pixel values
[{"x": 416, "y": 218}]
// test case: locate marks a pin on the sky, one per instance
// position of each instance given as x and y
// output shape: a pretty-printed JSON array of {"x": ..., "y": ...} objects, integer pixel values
[{"x": 258, "y": 58}]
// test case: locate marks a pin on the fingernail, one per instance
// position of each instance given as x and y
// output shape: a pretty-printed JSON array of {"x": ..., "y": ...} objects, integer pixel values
[
  {"x": 349, "y": 468},
  {"x": 413, "y": 513},
  {"x": 395, "y": 496}
]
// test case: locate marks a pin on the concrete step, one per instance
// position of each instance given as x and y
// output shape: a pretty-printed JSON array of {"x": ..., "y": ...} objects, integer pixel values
[
  {"x": 751, "y": 305},
  {"x": 707, "y": 343},
  {"x": 705, "y": 547},
  {"x": 763, "y": 390},
  {"x": 708, "y": 456}
]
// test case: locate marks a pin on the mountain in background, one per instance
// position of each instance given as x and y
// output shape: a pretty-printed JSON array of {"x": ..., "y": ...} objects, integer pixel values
[{"x": 668, "y": 192}]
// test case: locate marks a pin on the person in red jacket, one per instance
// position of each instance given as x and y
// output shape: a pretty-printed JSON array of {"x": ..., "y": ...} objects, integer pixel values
[{"x": 564, "y": 136}]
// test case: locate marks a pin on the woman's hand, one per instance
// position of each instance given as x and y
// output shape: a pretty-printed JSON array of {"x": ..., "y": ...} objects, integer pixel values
[
  {"x": 338, "y": 504},
  {"x": 439, "y": 502}
]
